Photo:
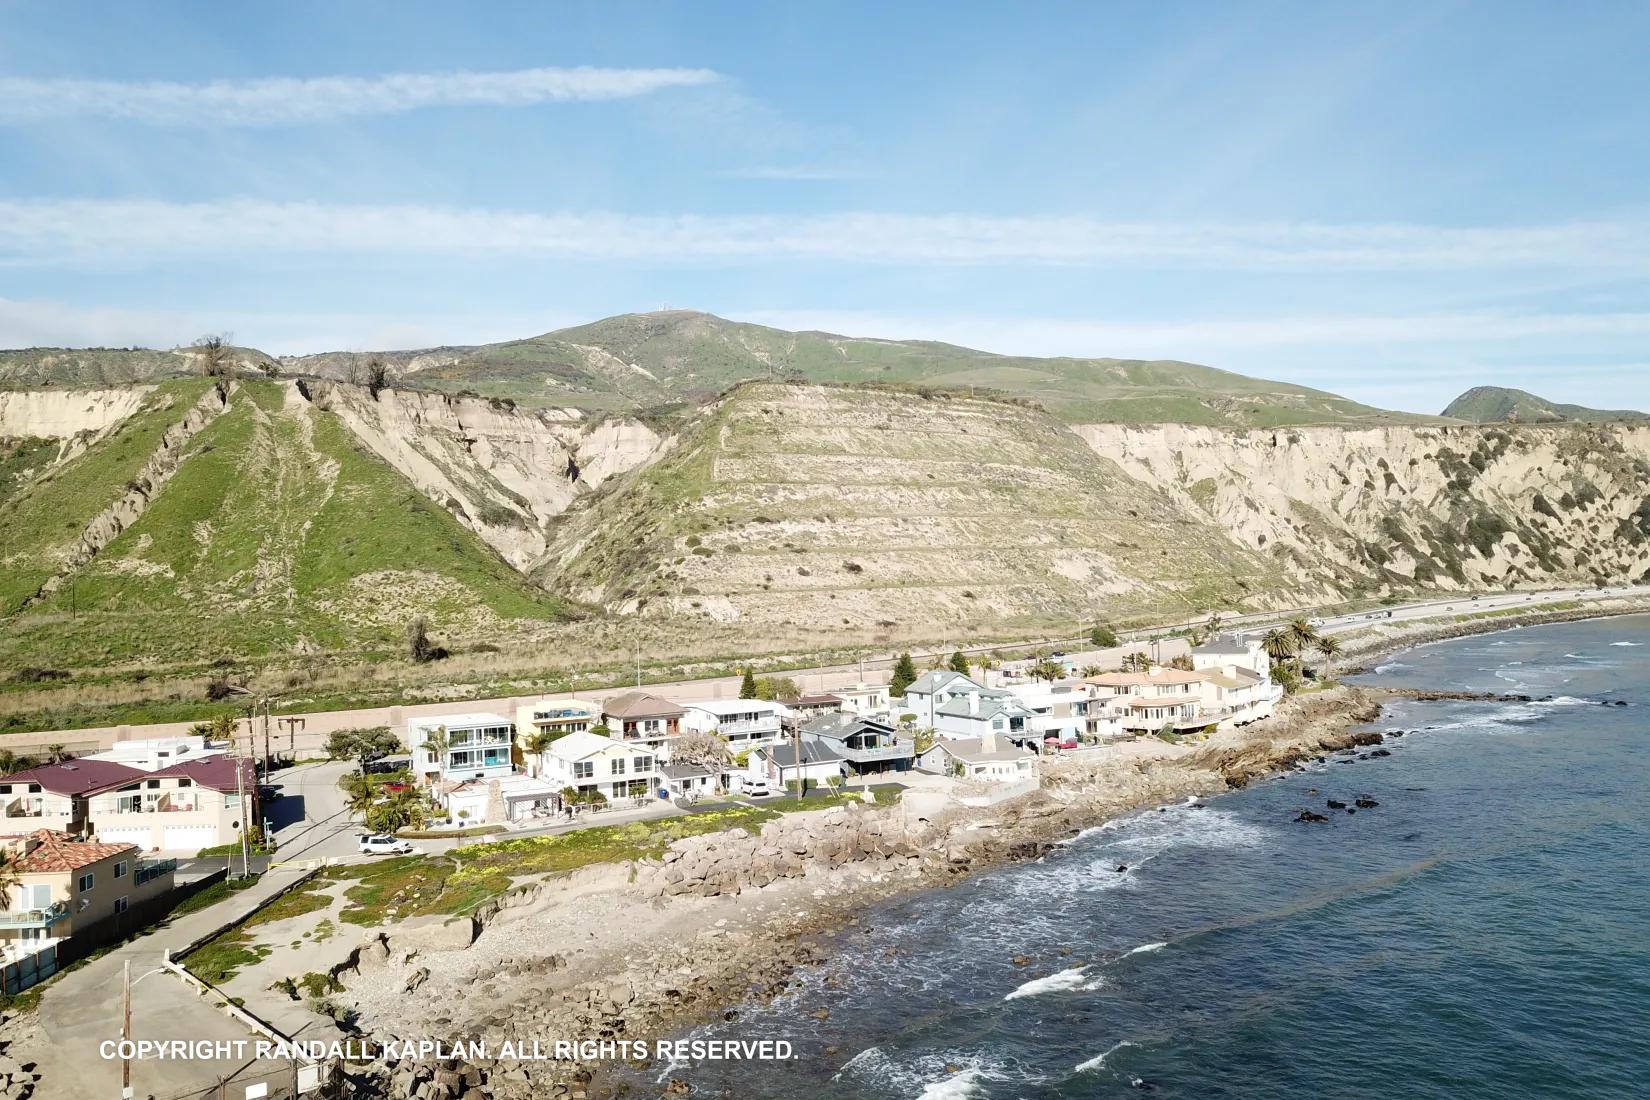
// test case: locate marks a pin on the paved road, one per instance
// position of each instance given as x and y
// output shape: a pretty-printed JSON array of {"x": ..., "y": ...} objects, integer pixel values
[
  {"x": 82, "y": 1008},
  {"x": 318, "y": 725}
]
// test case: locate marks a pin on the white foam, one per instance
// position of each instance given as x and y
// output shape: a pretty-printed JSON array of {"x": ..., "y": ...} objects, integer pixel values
[
  {"x": 1071, "y": 979},
  {"x": 955, "y": 1087},
  {"x": 1626, "y": 643},
  {"x": 1100, "y": 1059},
  {"x": 1144, "y": 949}
]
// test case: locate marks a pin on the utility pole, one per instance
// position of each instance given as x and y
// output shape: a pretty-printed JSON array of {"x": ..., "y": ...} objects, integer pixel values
[
  {"x": 293, "y": 725},
  {"x": 796, "y": 745},
  {"x": 266, "y": 738},
  {"x": 241, "y": 800},
  {"x": 126, "y": 1029}
]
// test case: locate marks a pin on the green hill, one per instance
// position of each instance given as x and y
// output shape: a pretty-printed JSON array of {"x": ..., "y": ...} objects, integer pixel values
[
  {"x": 234, "y": 522},
  {"x": 643, "y": 361},
  {"x": 1497, "y": 404}
]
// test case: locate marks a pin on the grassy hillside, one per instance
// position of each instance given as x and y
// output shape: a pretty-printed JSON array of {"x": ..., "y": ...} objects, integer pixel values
[
  {"x": 277, "y": 536},
  {"x": 652, "y": 359},
  {"x": 1497, "y": 404},
  {"x": 839, "y": 514},
  {"x": 28, "y": 367}
]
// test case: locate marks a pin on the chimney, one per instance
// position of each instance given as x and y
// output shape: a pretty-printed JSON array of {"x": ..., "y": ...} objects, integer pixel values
[
  {"x": 989, "y": 742},
  {"x": 974, "y": 703}
]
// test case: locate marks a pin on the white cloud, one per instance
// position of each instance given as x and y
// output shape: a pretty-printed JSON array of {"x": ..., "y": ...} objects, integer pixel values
[
  {"x": 47, "y": 323},
  {"x": 51, "y": 232},
  {"x": 285, "y": 100}
]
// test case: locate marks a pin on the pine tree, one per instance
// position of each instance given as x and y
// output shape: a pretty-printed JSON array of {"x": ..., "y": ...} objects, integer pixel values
[
  {"x": 905, "y": 674},
  {"x": 959, "y": 663},
  {"x": 747, "y": 689}
]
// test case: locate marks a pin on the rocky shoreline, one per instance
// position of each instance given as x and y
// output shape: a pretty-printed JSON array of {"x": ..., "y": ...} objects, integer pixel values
[{"x": 647, "y": 950}]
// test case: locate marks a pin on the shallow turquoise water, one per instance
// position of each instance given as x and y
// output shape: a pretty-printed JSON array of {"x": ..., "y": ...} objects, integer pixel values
[{"x": 1484, "y": 933}]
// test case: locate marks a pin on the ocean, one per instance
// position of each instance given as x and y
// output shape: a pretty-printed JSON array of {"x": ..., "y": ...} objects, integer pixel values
[{"x": 1483, "y": 932}]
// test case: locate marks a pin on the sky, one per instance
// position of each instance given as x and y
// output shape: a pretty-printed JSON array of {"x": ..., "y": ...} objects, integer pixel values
[{"x": 1394, "y": 201}]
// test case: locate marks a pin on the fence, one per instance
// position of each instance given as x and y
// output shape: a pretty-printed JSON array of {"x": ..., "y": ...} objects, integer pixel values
[{"x": 27, "y": 970}]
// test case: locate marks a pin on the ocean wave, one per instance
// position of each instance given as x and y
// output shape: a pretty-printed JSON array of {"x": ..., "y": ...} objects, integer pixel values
[
  {"x": 942, "y": 1075},
  {"x": 955, "y": 1087},
  {"x": 1390, "y": 666},
  {"x": 1100, "y": 1059},
  {"x": 1190, "y": 827},
  {"x": 1143, "y": 949},
  {"x": 1073, "y": 978},
  {"x": 1626, "y": 643}
]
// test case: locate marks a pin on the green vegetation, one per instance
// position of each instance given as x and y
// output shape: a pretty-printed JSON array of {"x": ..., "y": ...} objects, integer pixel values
[
  {"x": 278, "y": 532},
  {"x": 1496, "y": 404}
]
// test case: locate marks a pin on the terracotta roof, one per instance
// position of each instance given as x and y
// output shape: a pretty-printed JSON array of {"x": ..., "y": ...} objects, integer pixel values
[
  {"x": 73, "y": 778},
  {"x": 639, "y": 704},
  {"x": 59, "y": 852},
  {"x": 214, "y": 772}
]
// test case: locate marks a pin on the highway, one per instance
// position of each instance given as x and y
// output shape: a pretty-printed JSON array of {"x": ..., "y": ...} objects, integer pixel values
[{"x": 319, "y": 724}]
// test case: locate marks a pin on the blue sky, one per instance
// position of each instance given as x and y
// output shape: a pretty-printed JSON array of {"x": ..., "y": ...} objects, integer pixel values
[{"x": 1393, "y": 201}]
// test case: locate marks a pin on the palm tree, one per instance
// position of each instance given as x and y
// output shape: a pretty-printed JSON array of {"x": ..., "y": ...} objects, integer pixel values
[
  {"x": 359, "y": 791},
  {"x": 1328, "y": 646},
  {"x": 436, "y": 743},
  {"x": 535, "y": 745},
  {"x": 56, "y": 754},
  {"x": 1303, "y": 634},
  {"x": 1279, "y": 645},
  {"x": 1136, "y": 662},
  {"x": 10, "y": 876}
]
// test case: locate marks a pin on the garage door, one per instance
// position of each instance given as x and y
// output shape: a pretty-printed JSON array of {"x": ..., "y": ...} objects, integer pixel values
[
  {"x": 143, "y": 837},
  {"x": 189, "y": 838}
]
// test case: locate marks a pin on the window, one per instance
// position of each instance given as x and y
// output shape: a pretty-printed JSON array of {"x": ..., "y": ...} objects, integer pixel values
[
  {"x": 584, "y": 769},
  {"x": 152, "y": 784},
  {"x": 120, "y": 869},
  {"x": 86, "y": 881},
  {"x": 644, "y": 763},
  {"x": 186, "y": 782},
  {"x": 120, "y": 905},
  {"x": 617, "y": 766},
  {"x": 34, "y": 896}
]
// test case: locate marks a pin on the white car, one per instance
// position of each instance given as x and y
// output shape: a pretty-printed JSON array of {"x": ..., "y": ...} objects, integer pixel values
[
  {"x": 382, "y": 844},
  {"x": 757, "y": 788}
]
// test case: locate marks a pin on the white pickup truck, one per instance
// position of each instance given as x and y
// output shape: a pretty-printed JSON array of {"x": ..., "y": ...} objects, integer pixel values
[{"x": 382, "y": 844}]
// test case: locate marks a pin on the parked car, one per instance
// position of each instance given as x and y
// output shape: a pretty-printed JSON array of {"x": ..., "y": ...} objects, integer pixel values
[
  {"x": 382, "y": 844},
  {"x": 757, "y": 788},
  {"x": 268, "y": 793}
]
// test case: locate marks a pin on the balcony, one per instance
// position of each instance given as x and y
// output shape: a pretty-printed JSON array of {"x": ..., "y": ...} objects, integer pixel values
[
  {"x": 899, "y": 750},
  {"x": 756, "y": 727},
  {"x": 34, "y": 918},
  {"x": 153, "y": 869}
]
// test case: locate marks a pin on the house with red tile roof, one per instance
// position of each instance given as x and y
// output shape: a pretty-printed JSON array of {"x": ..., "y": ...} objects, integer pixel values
[
  {"x": 181, "y": 808},
  {"x": 68, "y": 888}
]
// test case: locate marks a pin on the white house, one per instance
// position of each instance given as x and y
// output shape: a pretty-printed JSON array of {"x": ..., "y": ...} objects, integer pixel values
[
  {"x": 864, "y": 698},
  {"x": 933, "y": 690},
  {"x": 1241, "y": 671},
  {"x": 477, "y": 746},
  {"x": 743, "y": 723},
  {"x": 778, "y": 763},
  {"x": 614, "y": 769},
  {"x": 992, "y": 758},
  {"x": 500, "y": 799}
]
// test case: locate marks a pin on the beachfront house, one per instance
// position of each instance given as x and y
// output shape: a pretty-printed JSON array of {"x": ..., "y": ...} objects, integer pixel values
[
  {"x": 865, "y": 746},
  {"x": 644, "y": 719},
  {"x": 196, "y": 801},
  {"x": 991, "y": 758},
  {"x": 742, "y": 723},
  {"x": 864, "y": 698},
  {"x": 552, "y": 718},
  {"x": 456, "y": 747},
  {"x": 71, "y": 897},
  {"x": 933, "y": 690},
  {"x": 778, "y": 764},
  {"x": 591, "y": 764},
  {"x": 1161, "y": 699}
]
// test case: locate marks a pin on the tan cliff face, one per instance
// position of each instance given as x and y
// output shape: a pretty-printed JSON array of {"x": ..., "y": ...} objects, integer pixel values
[
  {"x": 505, "y": 472},
  {"x": 1450, "y": 507},
  {"x": 66, "y": 413}
]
